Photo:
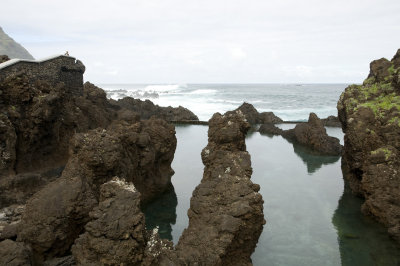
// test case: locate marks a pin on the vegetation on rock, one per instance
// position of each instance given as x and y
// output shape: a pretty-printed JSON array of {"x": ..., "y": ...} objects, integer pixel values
[{"x": 370, "y": 117}]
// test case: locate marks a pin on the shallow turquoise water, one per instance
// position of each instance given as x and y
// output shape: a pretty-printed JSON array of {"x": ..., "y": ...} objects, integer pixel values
[{"x": 311, "y": 218}]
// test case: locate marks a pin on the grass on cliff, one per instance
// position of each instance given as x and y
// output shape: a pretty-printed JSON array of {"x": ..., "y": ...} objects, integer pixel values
[
  {"x": 381, "y": 98},
  {"x": 385, "y": 151},
  {"x": 383, "y": 103}
]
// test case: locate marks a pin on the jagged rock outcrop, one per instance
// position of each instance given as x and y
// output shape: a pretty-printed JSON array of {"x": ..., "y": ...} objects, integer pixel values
[
  {"x": 331, "y": 121},
  {"x": 313, "y": 136},
  {"x": 147, "y": 109},
  {"x": 254, "y": 117},
  {"x": 226, "y": 207},
  {"x": 8, "y": 139},
  {"x": 11, "y": 48},
  {"x": 370, "y": 117},
  {"x": 270, "y": 129},
  {"x": 14, "y": 253},
  {"x": 10, "y": 218},
  {"x": 140, "y": 153},
  {"x": 45, "y": 118},
  {"x": 37, "y": 122},
  {"x": 116, "y": 234}
]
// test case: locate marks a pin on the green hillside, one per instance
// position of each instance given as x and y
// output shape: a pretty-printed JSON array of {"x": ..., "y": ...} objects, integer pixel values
[{"x": 11, "y": 48}]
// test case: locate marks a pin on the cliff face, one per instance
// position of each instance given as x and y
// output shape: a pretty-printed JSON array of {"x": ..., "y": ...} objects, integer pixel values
[
  {"x": 43, "y": 105},
  {"x": 140, "y": 153},
  {"x": 11, "y": 48},
  {"x": 37, "y": 122},
  {"x": 370, "y": 117}
]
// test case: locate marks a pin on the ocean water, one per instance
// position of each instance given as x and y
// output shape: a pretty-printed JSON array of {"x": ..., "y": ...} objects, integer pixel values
[
  {"x": 312, "y": 217},
  {"x": 291, "y": 102}
]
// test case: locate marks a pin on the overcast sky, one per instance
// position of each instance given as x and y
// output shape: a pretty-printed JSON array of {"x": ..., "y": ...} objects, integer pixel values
[{"x": 210, "y": 41}]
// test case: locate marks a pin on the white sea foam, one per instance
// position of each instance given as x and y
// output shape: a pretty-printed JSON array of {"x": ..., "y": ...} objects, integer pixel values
[
  {"x": 286, "y": 101},
  {"x": 203, "y": 91},
  {"x": 164, "y": 88}
]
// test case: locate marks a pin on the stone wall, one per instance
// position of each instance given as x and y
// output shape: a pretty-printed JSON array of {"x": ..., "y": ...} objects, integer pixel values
[{"x": 54, "y": 69}]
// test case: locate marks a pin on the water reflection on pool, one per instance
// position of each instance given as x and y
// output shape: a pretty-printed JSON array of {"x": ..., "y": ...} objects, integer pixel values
[{"x": 311, "y": 218}]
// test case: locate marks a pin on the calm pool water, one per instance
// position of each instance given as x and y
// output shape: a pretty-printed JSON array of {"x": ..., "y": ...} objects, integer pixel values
[{"x": 312, "y": 218}]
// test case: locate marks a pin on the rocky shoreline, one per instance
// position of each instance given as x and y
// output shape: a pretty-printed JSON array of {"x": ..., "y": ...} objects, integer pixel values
[
  {"x": 311, "y": 135},
  {"x": 370, "y": 117},
  {"x": 76, "y": 167}
]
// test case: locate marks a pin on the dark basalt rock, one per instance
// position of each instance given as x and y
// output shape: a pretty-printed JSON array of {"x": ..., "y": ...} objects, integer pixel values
[
  {"x": 331, "y": 121},
  {"x": 270, "y": 129},
  {"x": 8, "y": 140},
  {"x": 140, "y": 153},
  {"x": 116, "y": 234},
  {"x": 37, "y": 122},
  {"x": 147, "y": 109},
  {"x": 14, "y": 253},
  {"x": 226, "y": 207},
  {"x": 254, "y": 117},
  {"x": 370, "y": 117},
  {"x": 379, "y": 69},
  {"x": 313, "y": 135},
  {"x": 62, "y": 261},
  {"x": 10, "y": 218},
  {"x": 269, "y": 117}
]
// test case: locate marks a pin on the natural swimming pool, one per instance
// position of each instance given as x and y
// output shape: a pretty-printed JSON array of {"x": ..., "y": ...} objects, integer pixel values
[{"x": 312, "y": 219}]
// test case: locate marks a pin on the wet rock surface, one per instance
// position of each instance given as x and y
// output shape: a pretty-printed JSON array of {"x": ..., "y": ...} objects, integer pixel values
[
  {"x": 370, "y": 117},
  {"x": 226, "y": 207},
  {"x": 147, "y": 109},
  {"x": 254, "y": 117}
]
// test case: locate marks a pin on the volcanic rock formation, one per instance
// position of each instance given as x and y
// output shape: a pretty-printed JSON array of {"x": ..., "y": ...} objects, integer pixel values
[
  {"x": 14, "y": 253},
  {"x": 36, "y": 124},
  {"x": 140, "y": 153},
  {"x": 311, "y": 135},
  {"x": 370, "y": 117},
  {"x": 40, "y": 112},
  {"x": 254, "y": 117},
  {"x": 226, "y": 207},
  {"x": 116, "y": 233},
  {"x": 62, "y": 147},
  {"x": 270, "y": 129},
  {"x": 147, "y": 109},
  {"x": 331, "y": 121}
]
